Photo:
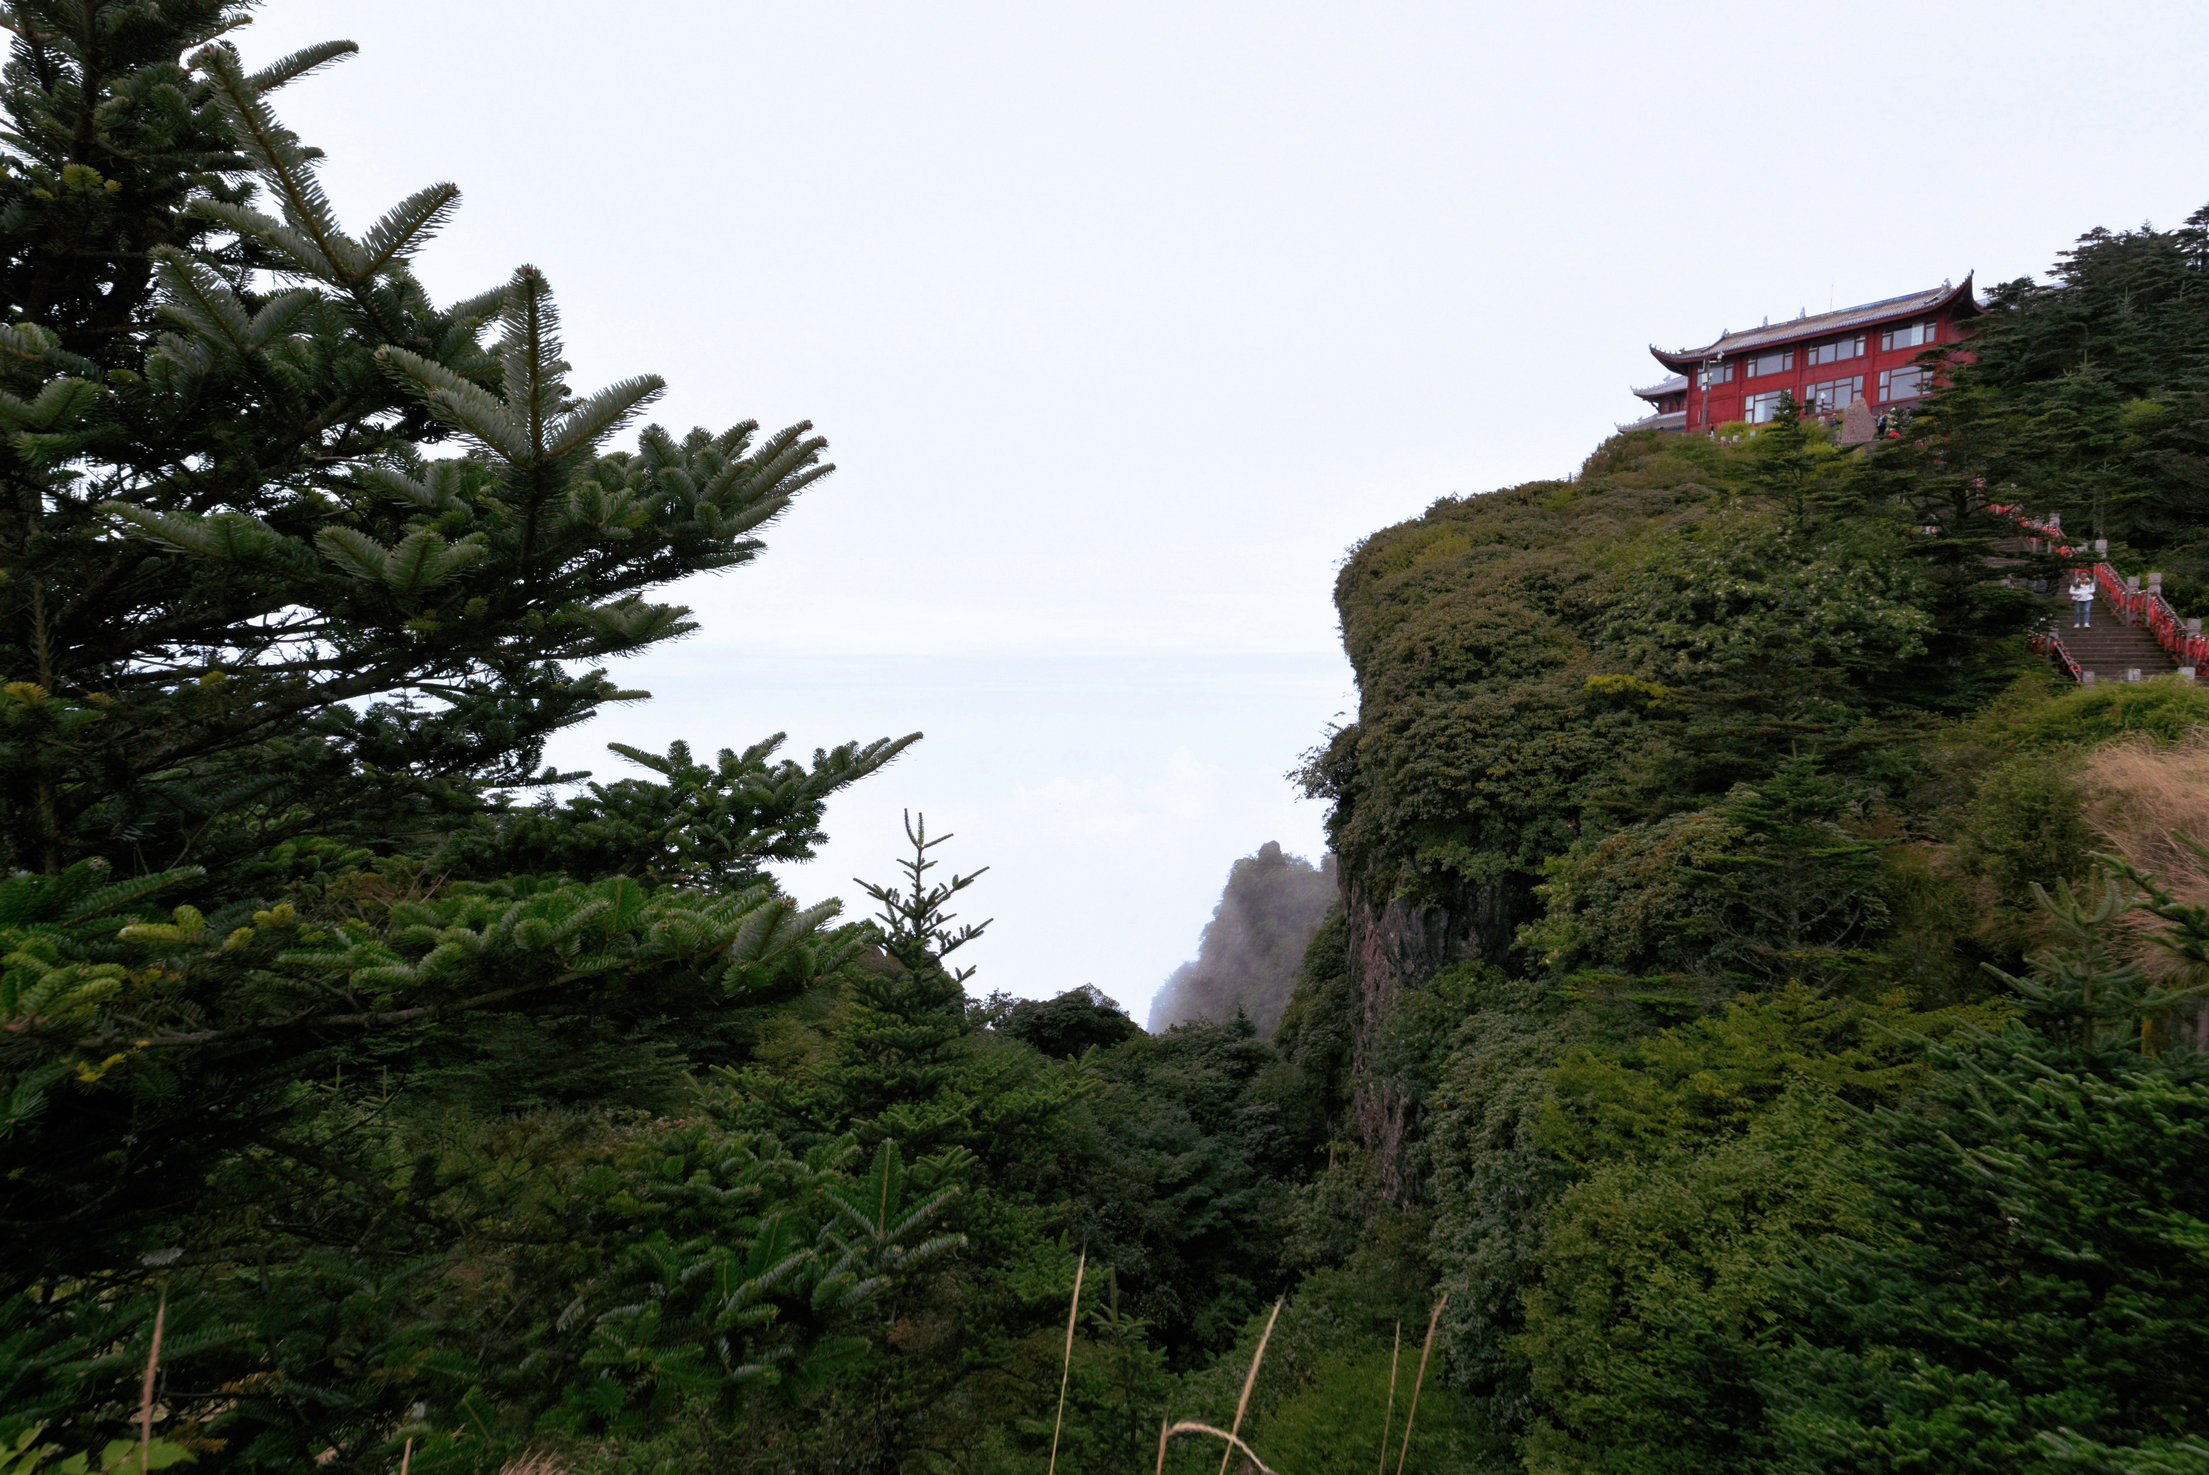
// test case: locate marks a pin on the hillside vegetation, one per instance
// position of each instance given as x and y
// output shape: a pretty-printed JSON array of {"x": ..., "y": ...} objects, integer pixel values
[
  {"x": 1753, "y": 1033},
  {"x": 1767, "y": 986}
]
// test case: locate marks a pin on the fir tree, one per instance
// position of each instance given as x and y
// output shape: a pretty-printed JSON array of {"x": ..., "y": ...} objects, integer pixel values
[
  {"x": 109, "y": 135},
  {"x": 2084, "y": 395},
  {"x": 1798, "y": 895},
  {"x": 899, "y": 1059},
  {"x": 239, "y": 599},
  {"x": 1791, "y": 461},
  {"x": 298, "y": 571},
  {"x": 1942, "y": 487},
  {"x": 2031, "y": 1284}
]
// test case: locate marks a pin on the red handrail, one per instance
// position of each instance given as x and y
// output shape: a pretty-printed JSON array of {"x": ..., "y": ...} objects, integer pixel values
[
  {"x": 2048, "y": 643},
  {"x": 2188, "y": 648}
]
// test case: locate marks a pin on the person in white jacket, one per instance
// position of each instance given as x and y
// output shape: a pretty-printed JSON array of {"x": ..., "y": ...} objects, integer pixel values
[{"x": 2082, "y": 602}]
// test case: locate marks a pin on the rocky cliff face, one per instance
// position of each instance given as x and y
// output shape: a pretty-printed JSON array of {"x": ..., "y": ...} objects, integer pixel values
[
  {"x": 1393, "y": 946},
  {"x": 1487, "y": 715},
  {"x": 1248, "y": 956}
]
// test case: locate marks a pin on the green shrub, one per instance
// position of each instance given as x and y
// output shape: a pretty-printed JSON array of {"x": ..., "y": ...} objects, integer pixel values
[
  {"x": 1333, "y": 1425},
  {"x": 2029, "y": 718},
  {"x": 1656, "y": 1283}
]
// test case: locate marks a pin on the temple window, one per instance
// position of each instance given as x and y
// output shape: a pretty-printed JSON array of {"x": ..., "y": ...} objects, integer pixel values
[
  {"x": 1901, "y": 383},
  {"x": 1833, "y": 394}
]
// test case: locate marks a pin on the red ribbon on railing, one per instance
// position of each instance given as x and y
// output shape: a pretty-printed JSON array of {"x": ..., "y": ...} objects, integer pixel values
[
  {"x": 2047, "y": 643},
  {"x": 2149, "y": 605},
  {"x": 2186, "y": 647}
]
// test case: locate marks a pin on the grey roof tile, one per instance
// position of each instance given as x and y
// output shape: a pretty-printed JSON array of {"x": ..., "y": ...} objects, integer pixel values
[{"x": 1794, "y": 330}]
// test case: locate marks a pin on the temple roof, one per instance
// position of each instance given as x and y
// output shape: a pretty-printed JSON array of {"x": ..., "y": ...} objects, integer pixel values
[
  {"x": 1677, "y": 384},
  {"x": 1933, "y": 299},
  {"x": 1675, "y": 420}
]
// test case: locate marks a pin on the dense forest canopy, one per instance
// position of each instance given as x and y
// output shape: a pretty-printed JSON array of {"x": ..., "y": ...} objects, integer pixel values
[
  {"x": 1755, "y": 1028},
  {"x": 2088, "y": 393}
]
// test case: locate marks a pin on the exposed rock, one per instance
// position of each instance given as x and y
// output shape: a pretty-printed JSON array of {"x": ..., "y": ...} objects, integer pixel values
[
  {"x": 1858, "y": 425},
  {"x": 1393, "y": 947},
  {"x": 1248, "y": 957}
]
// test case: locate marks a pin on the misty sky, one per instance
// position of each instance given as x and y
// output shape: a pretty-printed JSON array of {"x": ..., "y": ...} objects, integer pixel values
[{"x": 1125, "y": 321}]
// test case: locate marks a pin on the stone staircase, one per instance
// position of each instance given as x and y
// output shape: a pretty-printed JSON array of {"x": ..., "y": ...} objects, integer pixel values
[{"x": 2109, "y": 647}]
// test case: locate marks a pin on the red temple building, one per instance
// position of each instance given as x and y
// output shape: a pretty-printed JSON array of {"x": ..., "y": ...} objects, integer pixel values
[{"x": 1827, "y": 362}]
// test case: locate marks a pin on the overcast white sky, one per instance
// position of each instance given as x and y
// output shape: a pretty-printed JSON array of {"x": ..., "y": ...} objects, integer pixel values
[{"x": 1125, "y": 321}]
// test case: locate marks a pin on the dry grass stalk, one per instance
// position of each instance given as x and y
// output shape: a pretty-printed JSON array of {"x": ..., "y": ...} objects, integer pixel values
[
  {"x": 533, "y": 1462},
  {"x": 1192, "y": 1426},
  {"x": 406, "y": 1455},
  {"x": 145, "y": 1394},
  {"x": 1395, "y": 1355},
  {"x": 1250, "y": 1380},
  {"x": 2142, "y": 793},
  {"x": 2142, "y": 797},
  {"x": 1412, "y": 1412},
  {"x": 1066, "y": 1368}
]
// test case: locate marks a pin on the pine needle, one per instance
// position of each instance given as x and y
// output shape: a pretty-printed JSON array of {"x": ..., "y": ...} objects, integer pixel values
[
  {"x": 1066, "y": 1369},
  {"x": 1250, "y": 1379},
  {"x": 1395, "y": 1355},
  {"x": 1421, "y": 1382},
  {"x": 145, "y": 1396}
]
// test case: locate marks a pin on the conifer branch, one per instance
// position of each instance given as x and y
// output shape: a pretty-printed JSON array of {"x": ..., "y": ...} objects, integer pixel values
[
  {"x": 302, "y": 63},
  {"x": 275, "y": 151},
  {"x": 311, "y": 1020}
]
